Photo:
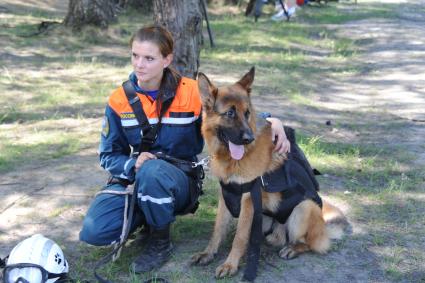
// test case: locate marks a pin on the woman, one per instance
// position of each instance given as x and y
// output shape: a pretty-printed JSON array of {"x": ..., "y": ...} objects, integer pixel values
[{"x": 163, "y": 190}]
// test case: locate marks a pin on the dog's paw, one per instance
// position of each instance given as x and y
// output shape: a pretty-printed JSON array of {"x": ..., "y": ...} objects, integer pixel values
[
  {"x": 287, "y": 252},
  {"x": 202, "y": 258},
  {"x": 225, "y": 270}
]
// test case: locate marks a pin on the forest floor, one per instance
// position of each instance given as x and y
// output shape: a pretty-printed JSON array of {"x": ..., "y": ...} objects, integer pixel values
[{"x": 377, "y": 122}]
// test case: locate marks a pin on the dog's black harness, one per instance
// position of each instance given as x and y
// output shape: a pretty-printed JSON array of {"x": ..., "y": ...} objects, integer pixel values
[
  {"x": 295, "y": 183},
  {"x": 233, "y": 192},
  {"x": 294, "y": 179}
]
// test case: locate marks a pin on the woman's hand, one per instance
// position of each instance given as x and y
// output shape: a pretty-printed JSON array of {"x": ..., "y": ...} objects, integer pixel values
[
  {"x": 279, "y": 137},
  {"x": 142, "y": 158}
]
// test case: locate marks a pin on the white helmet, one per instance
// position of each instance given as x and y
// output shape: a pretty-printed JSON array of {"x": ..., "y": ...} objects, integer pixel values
[{"x": 35, "y": 260}]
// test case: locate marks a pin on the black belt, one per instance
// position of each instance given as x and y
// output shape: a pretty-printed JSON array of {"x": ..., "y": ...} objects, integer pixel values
[{"x": 115, "y": 180}]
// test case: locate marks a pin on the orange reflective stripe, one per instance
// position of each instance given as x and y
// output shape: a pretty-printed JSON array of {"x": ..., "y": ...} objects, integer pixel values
[
  {"x": 119, "y": 103},
  {"x": 187, "y": 99}
]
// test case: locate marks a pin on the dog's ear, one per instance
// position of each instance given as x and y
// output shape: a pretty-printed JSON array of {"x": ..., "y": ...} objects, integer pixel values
[
  {"x": 247, "y": 80},
  {"x": 208, "y": 92}
]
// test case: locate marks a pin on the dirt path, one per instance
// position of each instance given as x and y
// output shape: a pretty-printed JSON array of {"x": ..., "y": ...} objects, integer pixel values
[
  {"x": 393, "y": 82},
  {"x": 386, "y": 102},
  {"x": 390, "y": 90}
]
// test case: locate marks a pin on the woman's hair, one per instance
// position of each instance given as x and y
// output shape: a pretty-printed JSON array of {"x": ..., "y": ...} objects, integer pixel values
[{"x": 162, "y": 38}]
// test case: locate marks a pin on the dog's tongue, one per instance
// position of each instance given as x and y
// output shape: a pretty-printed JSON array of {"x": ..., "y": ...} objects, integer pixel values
[{"x": 236, "y": 151}]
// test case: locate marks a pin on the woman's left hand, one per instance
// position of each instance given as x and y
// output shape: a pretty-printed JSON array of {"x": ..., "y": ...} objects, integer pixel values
[
  {"x": 279, "y": 137},
  {"x": 143, "y": 156}
]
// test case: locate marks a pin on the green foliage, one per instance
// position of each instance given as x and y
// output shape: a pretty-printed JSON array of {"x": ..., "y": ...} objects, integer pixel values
[
  {"x": 12, "y": 154},
  {"x": 331, "y": 14}
]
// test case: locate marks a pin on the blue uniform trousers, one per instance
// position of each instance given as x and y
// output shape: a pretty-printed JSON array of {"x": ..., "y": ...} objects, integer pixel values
[{"x": 162, "y": 191}]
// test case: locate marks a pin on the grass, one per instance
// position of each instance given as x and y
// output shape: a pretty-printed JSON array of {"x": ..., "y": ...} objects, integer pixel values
[
  {"x": 12, "y": 154},
  {"x": 382, "y": 192},
  {"x": 275, "y": 50},
  {"x": 54, "y": 88},
  {"x": 58, "y": 211},
  {"x": 341, "y": 14}
]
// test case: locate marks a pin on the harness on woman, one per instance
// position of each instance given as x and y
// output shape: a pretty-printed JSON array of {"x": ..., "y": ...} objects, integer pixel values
[{"x": 192, "y": 170}]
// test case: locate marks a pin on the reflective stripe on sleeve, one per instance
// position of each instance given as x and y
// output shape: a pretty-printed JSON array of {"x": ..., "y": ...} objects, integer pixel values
[
  {"x": 154, "y": 200},
  {"x": 165, "y": 120}
]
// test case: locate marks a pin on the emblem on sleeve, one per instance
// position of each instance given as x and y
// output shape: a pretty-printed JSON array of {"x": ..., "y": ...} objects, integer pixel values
[{"x": 105, "y": 127}]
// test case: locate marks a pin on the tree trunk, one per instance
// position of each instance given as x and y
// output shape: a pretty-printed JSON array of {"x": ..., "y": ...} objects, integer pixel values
[
  {"x": 141, "y": 5},
  {"x": 183, "y": 18},
  {"x": 90, "y": 12}
]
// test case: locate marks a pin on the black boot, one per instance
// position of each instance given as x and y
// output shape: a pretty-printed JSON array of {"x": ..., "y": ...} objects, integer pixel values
[{"x": 156, "y": 253}]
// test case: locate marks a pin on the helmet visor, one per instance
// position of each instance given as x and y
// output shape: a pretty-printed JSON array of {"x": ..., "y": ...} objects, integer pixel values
[{"x": 25, "y": 273}]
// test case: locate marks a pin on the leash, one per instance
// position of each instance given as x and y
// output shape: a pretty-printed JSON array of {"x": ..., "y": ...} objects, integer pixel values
[
  {"x": 130, "y": 200},
  {"x": 193, "y": 164},
  {"x": 128, "y": 207},
  {"x": 115, "y": 253}
]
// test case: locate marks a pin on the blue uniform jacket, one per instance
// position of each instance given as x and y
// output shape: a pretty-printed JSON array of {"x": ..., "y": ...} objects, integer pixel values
[{"x": 179, "y": 136}]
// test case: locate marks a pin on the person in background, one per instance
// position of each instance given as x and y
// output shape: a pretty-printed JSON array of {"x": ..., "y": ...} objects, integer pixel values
[{"x": 290, "y": 6}]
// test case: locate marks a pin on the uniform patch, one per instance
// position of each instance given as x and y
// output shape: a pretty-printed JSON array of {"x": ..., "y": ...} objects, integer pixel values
[
  {"x": 105, "y": 127},
  {"x": 128, "y": 115}
]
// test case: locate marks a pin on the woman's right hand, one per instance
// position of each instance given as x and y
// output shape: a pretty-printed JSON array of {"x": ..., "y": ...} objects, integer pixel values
[{"x": 142, "y": 158}]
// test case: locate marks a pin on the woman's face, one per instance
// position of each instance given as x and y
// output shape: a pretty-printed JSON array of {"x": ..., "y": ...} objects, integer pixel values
[{"x": 148, "y": 64}]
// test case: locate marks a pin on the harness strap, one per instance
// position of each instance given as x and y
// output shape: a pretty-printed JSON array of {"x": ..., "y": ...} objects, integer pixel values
[
  {"x": 148, "y": 132},
  {"x": 232, "y": 190},
  {"x": 112, "y": 192},
  {"x": 298, "y": 155},
  {"x": 255, "y": 237}
]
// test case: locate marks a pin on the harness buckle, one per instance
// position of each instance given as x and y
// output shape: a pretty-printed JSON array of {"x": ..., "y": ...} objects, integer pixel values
[
  {"x": 134, "y": 100},
  {"x": 262, "y": 182},
  {"x": 203, "y": 162}
]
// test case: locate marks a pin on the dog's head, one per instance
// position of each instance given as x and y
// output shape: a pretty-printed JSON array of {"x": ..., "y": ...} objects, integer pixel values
[{"x": 228, "y": 116}]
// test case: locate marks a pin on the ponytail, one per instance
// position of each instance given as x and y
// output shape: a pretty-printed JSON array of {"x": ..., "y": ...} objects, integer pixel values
[{"x": 169, "y": 84}]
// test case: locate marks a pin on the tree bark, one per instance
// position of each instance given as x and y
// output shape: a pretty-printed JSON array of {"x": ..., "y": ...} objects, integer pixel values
[
  {"x": 142, "y": 5},
  {"x": 90, "y": 12},
  {"x": 183, "y": 18}
]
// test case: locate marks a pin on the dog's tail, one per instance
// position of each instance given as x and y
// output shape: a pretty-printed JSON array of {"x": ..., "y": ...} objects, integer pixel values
[{"x": 334, "y": 219}]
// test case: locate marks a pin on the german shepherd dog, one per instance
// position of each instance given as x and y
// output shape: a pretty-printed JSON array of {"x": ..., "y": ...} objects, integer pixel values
[{"x": 239, "y": 154}]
